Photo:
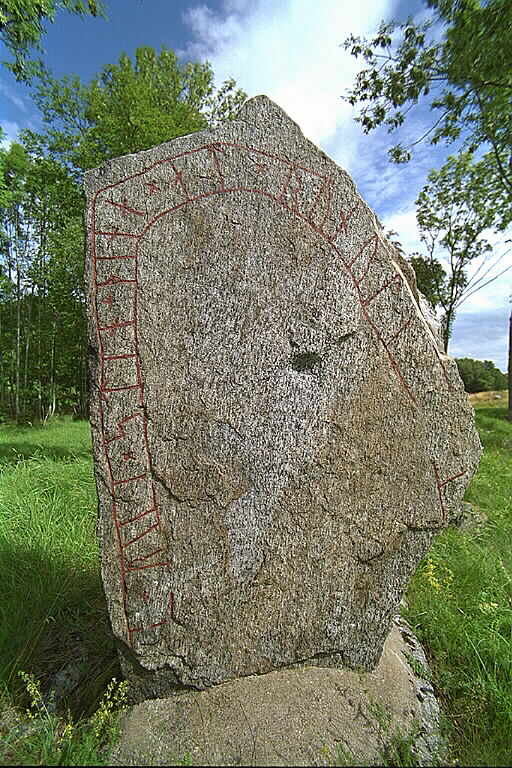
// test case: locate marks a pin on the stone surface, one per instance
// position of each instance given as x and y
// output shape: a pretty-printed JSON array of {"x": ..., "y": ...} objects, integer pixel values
[
  {"x": 277, "y": 436},
  {"x": 308, "y": 716}
]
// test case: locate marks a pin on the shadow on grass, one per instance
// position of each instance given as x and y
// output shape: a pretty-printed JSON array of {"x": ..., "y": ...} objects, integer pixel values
[
  {"x": 12, "y": 453},
  {"x": 54, "y": 625},
  {"x": 58, "y": 440},
  {"x": 493, "y": 412}
]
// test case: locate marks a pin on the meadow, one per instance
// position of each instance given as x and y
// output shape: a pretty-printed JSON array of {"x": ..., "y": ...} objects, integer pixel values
[{"x": 54, "y": 630}]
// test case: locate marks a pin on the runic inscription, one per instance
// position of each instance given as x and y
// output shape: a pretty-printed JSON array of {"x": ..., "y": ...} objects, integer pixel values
[{"x": 249, "y": 322}]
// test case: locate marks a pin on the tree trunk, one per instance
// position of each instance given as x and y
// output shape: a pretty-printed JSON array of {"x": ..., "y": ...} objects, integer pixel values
[
  {"x": 510, "y": 367},
  {"x": 28, "y": 330},
  {"x": 18, "y": 344},
  {"x": 11, "y": 387},
  {"x": 53, "y": 384},
  {"x": 39, "y": 364},
  {"x": 447, "y": 326}
]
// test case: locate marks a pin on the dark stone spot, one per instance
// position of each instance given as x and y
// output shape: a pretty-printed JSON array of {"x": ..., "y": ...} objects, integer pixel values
[{"x": 306, "y": 362}]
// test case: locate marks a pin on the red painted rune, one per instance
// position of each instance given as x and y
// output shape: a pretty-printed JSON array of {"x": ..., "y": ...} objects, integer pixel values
[
  {"x": 125, "y": 208},
  {"x": 152, "y": 187},
  {"x": 115, "y": 325}
]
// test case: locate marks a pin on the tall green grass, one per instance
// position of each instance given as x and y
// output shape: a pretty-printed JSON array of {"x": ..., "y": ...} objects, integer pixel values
[
  {"x": 52, "y": 612},
  {"x": 460, "y": 605}
]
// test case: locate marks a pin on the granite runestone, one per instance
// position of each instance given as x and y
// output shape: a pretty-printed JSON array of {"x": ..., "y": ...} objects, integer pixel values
[{"x": 277, "y": 433}]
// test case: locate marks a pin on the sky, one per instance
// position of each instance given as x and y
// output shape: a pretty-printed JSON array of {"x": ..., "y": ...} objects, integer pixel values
[{"x": 290, "y": 50}]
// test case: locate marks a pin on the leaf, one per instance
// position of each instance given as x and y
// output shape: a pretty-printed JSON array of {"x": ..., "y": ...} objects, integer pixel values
[{"x": 461, "y": 58}]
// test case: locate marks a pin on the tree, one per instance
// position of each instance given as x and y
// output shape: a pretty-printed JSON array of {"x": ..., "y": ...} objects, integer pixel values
[
  {"x": 129, "y": 107},
  {"x": 453, "y": 214},
  {"x": 430, "y": 278},
  {"x": 429, "y": 273},
  {"x": 16, "y": 255},
  {"x": 22, "y": 26},
  {"x": 480, "y": 376},
  {"x": 42, "y": 339},
  {"x": 464, "y": 75}
]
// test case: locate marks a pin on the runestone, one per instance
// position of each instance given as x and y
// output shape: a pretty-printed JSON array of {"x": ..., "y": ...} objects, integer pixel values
[{"x": 277, "y": 433}]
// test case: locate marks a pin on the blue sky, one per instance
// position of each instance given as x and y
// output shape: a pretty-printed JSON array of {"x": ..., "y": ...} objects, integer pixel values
[{"x": 289, "y": 50}]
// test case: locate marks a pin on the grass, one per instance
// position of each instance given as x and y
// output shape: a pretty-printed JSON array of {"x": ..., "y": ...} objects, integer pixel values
[
  {"x": 53, "y": 619},
  {"x": 61, "y": 439},
  {"x": 41, "y": 737},
  {"x": 460, "y": 606}
]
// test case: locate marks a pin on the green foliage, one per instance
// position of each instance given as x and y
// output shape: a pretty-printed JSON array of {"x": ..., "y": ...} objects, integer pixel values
[
  {"x": 42, "y": 339},
  {"x": 453, "y": 213},
  {"x": 22, "y": 26},
  {"x": 480, "y": 376},
  {"x": 460, "y": 607},
  {"x": 465, "y": 74},
  {"x": 430, "y": 278},
  {"x": 129, "y": 107}
]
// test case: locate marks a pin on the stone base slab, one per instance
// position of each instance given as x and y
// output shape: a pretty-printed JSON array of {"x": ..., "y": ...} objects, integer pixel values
[{"x": 302, "y": 716}]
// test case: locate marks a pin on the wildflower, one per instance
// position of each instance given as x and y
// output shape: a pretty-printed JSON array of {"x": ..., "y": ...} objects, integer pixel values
[{"x": 430, "y": 575}]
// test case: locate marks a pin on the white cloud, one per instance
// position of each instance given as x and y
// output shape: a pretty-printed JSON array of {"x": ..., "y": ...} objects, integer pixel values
[
  {"x": 13, "y": 97},
  {"x": 291, "y": 51},
  {"x": 404, "y": 224},
  {"x": 11, "y": 130}
]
